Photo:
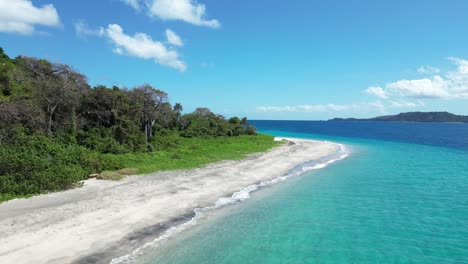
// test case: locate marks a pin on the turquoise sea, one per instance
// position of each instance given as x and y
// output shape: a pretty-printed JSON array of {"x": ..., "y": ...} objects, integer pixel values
[{"x": 394, "y": 199}]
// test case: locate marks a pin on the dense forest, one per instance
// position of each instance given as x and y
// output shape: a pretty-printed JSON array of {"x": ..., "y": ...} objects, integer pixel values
[
  {"x": 414, "y": 117},
  {"x": 55, "y": 129}
]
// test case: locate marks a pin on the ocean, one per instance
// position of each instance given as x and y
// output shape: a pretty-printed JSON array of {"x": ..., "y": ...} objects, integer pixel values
[{"x": 401, "y": 196}]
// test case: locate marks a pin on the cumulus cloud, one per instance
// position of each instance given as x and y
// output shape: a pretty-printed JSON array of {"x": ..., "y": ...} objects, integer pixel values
[
  {"x": 360, "y": 107},
  {"x": 453, "y": 84},
  {"x": 185, "y": 10},
  {"x": 377, "y": 91},
  {"x": 139, "y": 45},
  {"x": 173, "y": 38},
  {"x": 422, "y": 88},
  {"x": 21, "y": 16},
  {"x": 458, "y": 79},
  {"x": 143, "y": 46},
  {"x": 428, "y": 70},
  {"x": 133, "y": 3}
]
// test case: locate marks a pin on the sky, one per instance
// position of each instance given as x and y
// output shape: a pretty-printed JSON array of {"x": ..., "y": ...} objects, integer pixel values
[{"x": 264, "y": 59}]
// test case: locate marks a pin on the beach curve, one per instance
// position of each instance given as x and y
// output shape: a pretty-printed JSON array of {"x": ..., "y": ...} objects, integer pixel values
[{"x": 104, "y": 220}]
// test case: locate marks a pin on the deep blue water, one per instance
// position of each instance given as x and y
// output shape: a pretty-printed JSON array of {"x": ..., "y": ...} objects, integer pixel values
[
  {"x": 400, "y": 197},
  {"x": 453, "y": 135}
]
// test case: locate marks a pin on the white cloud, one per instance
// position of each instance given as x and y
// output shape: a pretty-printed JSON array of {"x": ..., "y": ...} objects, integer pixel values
[
  {"x": 276, "y": 109},
  {"x": 173, "y": 38},
  {"x": 405, "y": 104},
  {"x": 459, "y": 78},
  {"x": 133, "y": 3},
  {"x": 186, "y": 10},
  {"x": 377, "y": 91},
  {"x": 21, "y": 16},
  {"x": 428, "y": 70},
  {"x": 140, "y": 45},
  {"x": 143, "y": 46},
  {"x": 454, "y": 84},
  {"x": 366, "y": 107},
  {"x": 82, "y": 29},
  {"x": 422, "y": 88}
]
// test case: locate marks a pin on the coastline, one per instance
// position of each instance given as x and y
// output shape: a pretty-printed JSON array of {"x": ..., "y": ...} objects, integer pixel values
[{"x": 104, "y": 220}]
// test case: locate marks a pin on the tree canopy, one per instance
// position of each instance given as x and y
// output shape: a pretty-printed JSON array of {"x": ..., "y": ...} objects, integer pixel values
[
  {"x": 55, "y": 128},
  {"x": 41, "y": 97}
]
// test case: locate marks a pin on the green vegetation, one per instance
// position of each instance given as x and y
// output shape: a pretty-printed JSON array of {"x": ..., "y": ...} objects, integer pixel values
[
  {"x": 195, "y": 152},
  {"x": 55, "y": 130}
]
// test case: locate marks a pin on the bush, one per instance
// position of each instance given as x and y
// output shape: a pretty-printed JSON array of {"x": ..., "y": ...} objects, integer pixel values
[
  {"x": 163, "y": 141},
  {"x": 37, "y": 164},
  {"x": 101, "y": 139},
  {"x": 251, "y": 130},
  {"x": 98, "y": 162}
]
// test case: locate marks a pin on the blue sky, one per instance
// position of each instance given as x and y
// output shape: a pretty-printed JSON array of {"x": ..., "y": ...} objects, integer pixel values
[{"x": 263, "y": 59}]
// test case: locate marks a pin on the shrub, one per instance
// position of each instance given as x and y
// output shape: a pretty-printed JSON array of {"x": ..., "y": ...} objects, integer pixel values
[
  {"x": 163, "y": 141},
  {"x": 101, "y": 162},
  {"x": 38, "y": 164},
  {"x": 251, "y": 130},
  {"x": 101, "y": 140}
]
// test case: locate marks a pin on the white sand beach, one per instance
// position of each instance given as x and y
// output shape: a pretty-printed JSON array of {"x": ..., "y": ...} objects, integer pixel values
[{"x": 104, "y": 218}]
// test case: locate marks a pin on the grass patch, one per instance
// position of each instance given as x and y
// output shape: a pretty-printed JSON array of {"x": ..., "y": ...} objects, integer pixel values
[
  {"x": 110, "y": 176},
  {"x": 116, "y": 175},
  {"x": 7, "y": 197},
  {"x": 127, "y": 171},
  {"x": 191, "y": 153}
]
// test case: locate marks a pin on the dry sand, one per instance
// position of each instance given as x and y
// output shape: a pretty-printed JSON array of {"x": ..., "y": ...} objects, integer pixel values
[{"x": 105, "y": 219}]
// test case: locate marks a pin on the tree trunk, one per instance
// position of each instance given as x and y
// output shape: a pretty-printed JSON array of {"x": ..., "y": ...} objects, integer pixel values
[
  {"x": 146, "y": 132},
  {"x": 51, "y": 115},
  {"x": 74, "y": 125}
]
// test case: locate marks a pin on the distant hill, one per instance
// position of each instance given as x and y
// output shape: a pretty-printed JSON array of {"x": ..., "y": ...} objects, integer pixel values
[{"x": 414, "y": 117}]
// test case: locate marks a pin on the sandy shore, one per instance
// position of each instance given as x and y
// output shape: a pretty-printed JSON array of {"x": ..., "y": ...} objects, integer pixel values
[{"x": 107, "y": 219}]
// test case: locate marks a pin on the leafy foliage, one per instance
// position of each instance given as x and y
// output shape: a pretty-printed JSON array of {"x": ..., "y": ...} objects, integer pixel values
[
  {"x": 55, "y": 129},
  {"x": 195, "y": 152},
  {"x": 35, "y": 164}
]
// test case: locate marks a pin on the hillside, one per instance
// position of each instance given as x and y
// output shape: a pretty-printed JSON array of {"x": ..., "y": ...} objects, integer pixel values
[{"x": 414, "y": 117}]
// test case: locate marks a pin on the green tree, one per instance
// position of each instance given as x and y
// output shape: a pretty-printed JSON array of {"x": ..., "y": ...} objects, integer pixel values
[
  {"x": 7, "y": 67},
  {"x": 56, "y": 88},
  {"x": 149, "y": 101},
  {"x": 178, "y": 108}
]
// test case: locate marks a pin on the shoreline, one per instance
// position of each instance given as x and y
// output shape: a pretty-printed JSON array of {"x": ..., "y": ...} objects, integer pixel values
[{"x": 104, "y": 220}]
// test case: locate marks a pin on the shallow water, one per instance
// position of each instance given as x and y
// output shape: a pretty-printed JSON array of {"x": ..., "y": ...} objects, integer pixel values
[{"x": 388, "y": 202}]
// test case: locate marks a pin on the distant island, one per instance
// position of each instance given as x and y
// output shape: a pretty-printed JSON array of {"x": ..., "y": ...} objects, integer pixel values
[{"x": 413, "y": 117}]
